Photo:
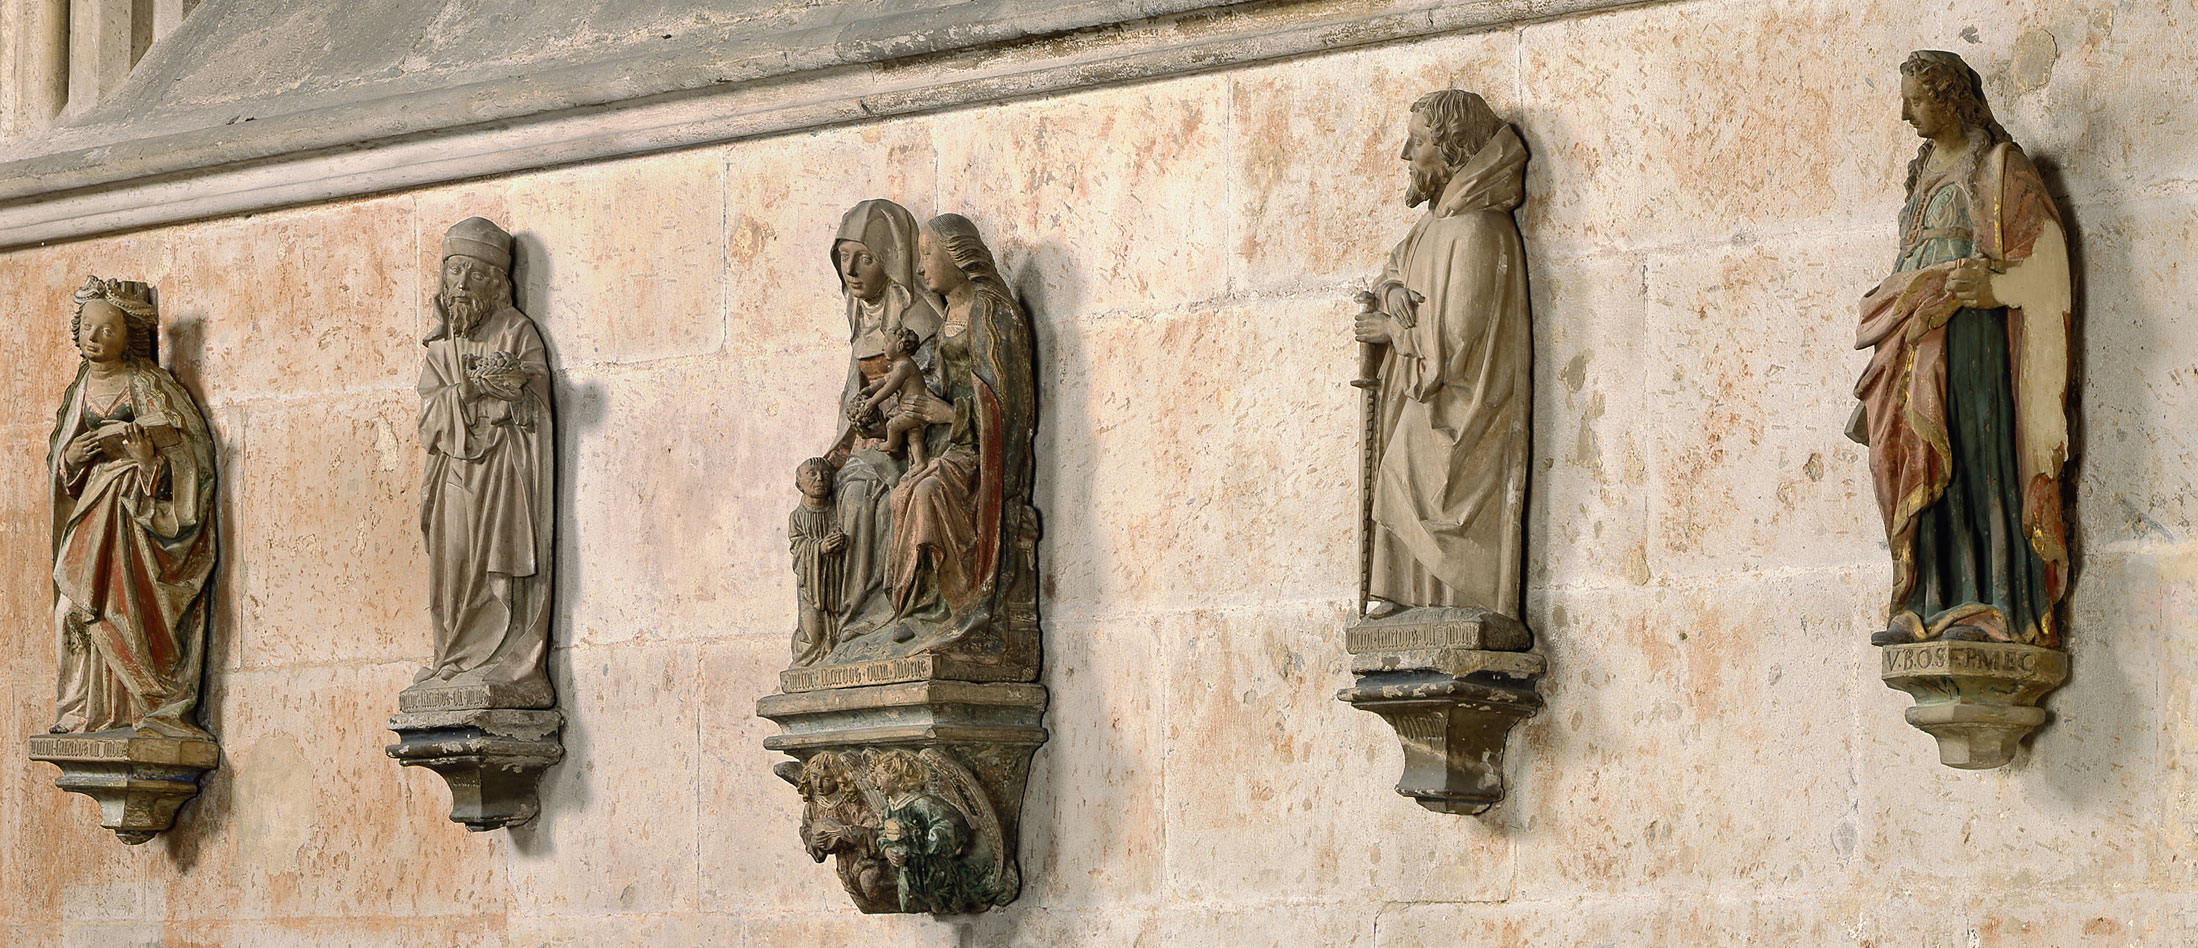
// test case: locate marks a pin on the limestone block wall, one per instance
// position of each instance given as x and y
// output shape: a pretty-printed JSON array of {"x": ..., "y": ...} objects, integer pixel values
[{"x": 1713, "y": 186}]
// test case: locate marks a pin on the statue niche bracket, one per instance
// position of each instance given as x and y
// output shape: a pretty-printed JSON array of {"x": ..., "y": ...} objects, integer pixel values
[
  {"x": 1436, "y": 643},
  {"x": 911, "y": 707},
  {"x": 1452, "y": 700}
]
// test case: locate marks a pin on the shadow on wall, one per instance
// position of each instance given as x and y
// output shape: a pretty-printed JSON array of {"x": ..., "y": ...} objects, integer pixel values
[
  {"x": 207, "y": 816},
  {"x": 578, "y": 412},
  {"x": 2099, "y": 694}
]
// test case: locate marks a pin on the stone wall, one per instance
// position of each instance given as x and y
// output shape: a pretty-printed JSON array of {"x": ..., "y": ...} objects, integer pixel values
[{"x": 1713, "y": 186}]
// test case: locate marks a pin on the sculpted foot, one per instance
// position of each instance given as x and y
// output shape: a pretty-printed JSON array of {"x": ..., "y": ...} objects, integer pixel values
[{"x": 1895, "y": 634}]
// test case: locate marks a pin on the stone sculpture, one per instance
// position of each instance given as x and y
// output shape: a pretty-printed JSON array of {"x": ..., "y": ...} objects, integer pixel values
[
  {"x": 916, "y": 642},
  {"x": 1445, "y": 365},
  {"x": 479, "y": 713},
  {"x": 131, "y": 466},
  {"x": 1964, "y": 410}
]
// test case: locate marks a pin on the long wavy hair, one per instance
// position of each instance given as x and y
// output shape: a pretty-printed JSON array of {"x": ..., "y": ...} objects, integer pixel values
[
  {"x": 1950, "y": 82},
  {"x": 967, "y": 249},
  {"x": 140, "y": 315}
]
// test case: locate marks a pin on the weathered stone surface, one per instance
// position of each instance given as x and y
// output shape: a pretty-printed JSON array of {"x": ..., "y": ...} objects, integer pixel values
[
  {"x": 491, "y": 758},
  {"x": 356, "y": 464},
  {"x": 1979, "y": 699}
]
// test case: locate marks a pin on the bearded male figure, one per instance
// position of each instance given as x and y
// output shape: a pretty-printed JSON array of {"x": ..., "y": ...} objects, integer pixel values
[
  {"x": 487, "y": 498},
  {"x": 1447, "y": 322}
]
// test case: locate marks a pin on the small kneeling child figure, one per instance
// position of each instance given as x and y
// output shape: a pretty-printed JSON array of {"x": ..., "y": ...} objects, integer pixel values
[{"x": 819, "y": 562}]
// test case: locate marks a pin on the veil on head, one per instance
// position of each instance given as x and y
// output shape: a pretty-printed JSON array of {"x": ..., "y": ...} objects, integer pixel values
[{"x": 889, "y": 231}]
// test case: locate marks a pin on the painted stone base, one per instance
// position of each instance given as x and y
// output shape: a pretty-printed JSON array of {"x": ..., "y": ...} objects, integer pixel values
[
  {"x": 914, "y": 789},
  {"x": 1452, "y": 702},
  {"x": 139, "y": 781},
  {"x": 1978, "y": 699},
  {"x": 492, "y": 758}
]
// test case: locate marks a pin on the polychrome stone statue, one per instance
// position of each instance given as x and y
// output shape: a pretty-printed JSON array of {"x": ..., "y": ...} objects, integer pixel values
[
  {"x": 131, "y": 467},
  {"x": 1964, "y": 410},
  {"x": 915, "y": 647},
  {"x": 1446, "y": 361}
]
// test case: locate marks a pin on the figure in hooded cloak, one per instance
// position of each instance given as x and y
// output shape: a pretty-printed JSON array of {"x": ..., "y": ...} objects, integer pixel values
[
  {"x": 1450, "y": 437},
  {"x": 875, "y": 257}
]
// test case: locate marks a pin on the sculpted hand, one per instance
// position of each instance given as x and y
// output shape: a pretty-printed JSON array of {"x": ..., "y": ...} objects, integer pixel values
[
  {"x": 139, "y": 447},
  {"x": 1373, "y": 327},
  {"x": 1403, "y": 303},
  {"x": 835, "y": 543},
  {"x": 80, "y": 449},
  {"x": 1970, "y": 281},
  {"x": 502, "y": 383},
  {"x": 933, "y": 409}
]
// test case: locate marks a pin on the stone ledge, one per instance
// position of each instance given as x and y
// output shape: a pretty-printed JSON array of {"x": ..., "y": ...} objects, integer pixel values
[
  {"x": 153, "y": 155},
  {"x": 138, "y": 781}
]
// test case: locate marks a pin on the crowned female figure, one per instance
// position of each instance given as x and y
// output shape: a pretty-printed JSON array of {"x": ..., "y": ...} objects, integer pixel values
[{"x": 133, "y": 531}]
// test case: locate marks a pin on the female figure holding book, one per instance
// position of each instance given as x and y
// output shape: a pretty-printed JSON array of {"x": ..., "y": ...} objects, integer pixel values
[{"x": 133, "y": 533}]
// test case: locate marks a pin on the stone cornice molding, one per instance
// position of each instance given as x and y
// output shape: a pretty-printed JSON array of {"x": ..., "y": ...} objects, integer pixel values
[{"x": 129, "y": 164}]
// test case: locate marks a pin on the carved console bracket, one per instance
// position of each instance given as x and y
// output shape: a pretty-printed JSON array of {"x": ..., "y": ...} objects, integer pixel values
[
  {"x": 1452, "y": 682},
  {"x": 1979, "y": 699},
  {"x": 139, "y": 781},
  {"x": 914, "y": 788},
  {"x": 492, "y": 757}
]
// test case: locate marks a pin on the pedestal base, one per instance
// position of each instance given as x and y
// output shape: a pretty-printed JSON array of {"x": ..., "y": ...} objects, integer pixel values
[
  {"x": 492, "y": 758},
  {"x": 1978, "y": 699},
  {"x": 1453, "y": 705},
  {"x": 139, "y": 781},
  {"x": 928, "y": 772}
]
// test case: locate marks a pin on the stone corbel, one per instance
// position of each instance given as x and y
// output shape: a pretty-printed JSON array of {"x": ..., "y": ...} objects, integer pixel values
[
  {"x": 1978, "y": 699},
  {"x": 488, "y": 745},
  {"x": 139, "y": 781},
  {"x": 913, "y": 789},
  {"x": 1453, "y": 683}
]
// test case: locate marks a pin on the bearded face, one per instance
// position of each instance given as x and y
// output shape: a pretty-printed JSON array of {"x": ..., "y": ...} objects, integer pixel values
[
  {"x": 1430, "y": 172},
  {"x": 471, "y": 290}
]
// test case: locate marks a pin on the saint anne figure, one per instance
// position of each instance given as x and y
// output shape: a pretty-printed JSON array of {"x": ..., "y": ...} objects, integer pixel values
[
  {"x": 487, "y": 502},
  {"x": 132, "y": 468},
  {"x": 874, "y": 254},
  {"x": 1964, "y": 399}
]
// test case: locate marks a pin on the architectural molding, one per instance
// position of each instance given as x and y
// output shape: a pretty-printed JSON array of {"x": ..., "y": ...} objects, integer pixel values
[{"x": 151, "y": 155}]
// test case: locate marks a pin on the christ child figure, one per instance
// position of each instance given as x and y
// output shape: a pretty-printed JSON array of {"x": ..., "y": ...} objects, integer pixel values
[
  {"x": 819, "y": 563},
  {"x": 904, "y": 382}
]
